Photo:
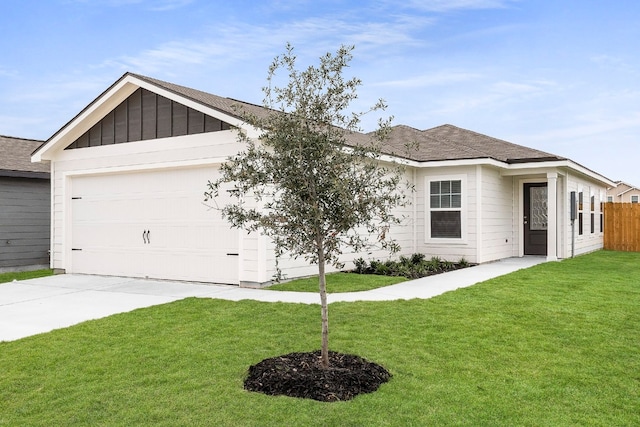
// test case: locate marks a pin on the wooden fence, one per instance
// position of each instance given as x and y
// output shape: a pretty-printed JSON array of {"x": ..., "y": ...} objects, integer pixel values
[{"x": 622, "y": 226}]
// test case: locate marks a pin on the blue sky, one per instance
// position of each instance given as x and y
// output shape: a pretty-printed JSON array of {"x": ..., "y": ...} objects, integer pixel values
[{"x": 560, "y": 76}]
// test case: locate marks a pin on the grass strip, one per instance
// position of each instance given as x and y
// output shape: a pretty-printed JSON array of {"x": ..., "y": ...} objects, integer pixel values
[
  {"x": 24, "y": 275},
  {"x": 339, "y": 282}
]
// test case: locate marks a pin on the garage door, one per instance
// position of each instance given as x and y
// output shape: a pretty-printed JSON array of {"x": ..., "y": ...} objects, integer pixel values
[{"x": 152, "y": 224}]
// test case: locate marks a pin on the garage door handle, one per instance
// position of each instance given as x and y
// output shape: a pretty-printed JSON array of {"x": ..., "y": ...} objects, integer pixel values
[
  {"x": 145, "y": 236},
  {"x": 148, "y": 236}
]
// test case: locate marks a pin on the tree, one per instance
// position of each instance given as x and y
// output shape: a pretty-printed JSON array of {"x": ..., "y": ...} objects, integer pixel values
[{"x": 319, "y": 184}]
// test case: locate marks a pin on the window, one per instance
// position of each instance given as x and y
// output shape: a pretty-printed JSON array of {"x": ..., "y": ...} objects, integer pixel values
[
  {"x": 602, "y": 197},
  {"x": 609, "y": 199},
  {"x": 580, "y": 215},
  {"x": 445, "y": 203},
  {"x": 634, "y": 199},
  {"x": 593, "y": 214}
]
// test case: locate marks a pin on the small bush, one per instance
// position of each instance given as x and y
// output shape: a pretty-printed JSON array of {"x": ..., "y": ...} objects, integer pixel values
[
  {"x": 412, "y": 267},
  {"x": 361, "y": 266},
  {"x": 417, "y": 258}
]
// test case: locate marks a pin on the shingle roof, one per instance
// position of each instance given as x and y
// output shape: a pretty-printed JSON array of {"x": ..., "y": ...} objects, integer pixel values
[
  {"x": 15, "y": 155},
  {"x": 448, "y": 142},
  {"x": 226, "y": 105},
  {"x": 444, "y": 142}
]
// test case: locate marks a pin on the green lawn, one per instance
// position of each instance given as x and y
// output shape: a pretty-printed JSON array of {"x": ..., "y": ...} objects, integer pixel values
[
  {"x": 24, "y": 275},
  {"x": 340, "y": 282},
  {"x": 553, "y": 345}
]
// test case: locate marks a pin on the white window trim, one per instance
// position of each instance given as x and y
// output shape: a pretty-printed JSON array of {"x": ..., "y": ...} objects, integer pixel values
[
  {"x": 636, "y": 197},
  {"x": 463, "y": 209}
]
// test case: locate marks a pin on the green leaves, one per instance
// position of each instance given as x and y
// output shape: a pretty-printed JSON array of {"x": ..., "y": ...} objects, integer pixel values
[{"x": 314, "y": 183}]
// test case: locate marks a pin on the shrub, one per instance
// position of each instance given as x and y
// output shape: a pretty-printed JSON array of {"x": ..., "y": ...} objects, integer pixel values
[
  {"x": 361, "y": 266},
  {"x": 417, "y": 258},
  {"x": 412, "y": 267}
]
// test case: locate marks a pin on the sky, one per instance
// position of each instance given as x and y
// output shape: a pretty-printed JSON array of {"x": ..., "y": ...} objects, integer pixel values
[{"x": 561, "y": 76}]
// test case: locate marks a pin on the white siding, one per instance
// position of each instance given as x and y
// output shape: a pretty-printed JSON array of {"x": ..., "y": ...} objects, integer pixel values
[
  {"x": 449, "y": 249},
  {"x": 403, "y": 234},
  {"x": 184, "y": 151},
  {"x": 587, "y": 242},
  {"x": 491, "y": 212},
  {"x": 497, "y": 212}
]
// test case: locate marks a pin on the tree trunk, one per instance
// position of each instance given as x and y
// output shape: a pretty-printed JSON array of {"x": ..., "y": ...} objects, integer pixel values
[{"x": 322, "y": 283}]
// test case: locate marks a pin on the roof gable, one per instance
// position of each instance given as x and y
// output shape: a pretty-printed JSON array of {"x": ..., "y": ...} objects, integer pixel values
[
  {"x": 146, "y": 115},
  {"x": 223, "y": 109}
]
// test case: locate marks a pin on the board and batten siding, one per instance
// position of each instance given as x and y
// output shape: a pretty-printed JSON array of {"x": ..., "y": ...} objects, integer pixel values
[{"x": 24, "y": 222}]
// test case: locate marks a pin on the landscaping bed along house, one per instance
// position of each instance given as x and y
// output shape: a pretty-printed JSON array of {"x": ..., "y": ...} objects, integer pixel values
[
  {"x": 413, "y": 267},
  {"x": 301, "y": 374}
]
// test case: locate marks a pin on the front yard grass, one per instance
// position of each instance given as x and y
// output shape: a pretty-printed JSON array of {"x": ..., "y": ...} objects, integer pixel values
[
  {"x": 339, "y": 282},
  {"x": 24, "y": 275},
  {"x": 556, "y": 344}
]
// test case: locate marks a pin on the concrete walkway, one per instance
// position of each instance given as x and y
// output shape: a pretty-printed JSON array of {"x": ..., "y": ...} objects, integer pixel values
[{"x": 40, "y": 305}]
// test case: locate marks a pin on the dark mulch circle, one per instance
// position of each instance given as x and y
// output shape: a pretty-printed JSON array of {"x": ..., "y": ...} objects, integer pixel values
[{"x": 301, "y": 375}]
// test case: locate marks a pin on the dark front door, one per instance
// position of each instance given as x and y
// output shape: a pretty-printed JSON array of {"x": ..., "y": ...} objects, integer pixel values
[{"x": 535, "y": 218}]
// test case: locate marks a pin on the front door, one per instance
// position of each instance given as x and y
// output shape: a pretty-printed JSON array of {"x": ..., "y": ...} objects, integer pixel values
[{"x": 535, "y": 218}]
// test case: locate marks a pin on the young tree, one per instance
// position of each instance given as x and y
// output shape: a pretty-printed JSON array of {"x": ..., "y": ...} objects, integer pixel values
[{"x": 319, "y": 184}]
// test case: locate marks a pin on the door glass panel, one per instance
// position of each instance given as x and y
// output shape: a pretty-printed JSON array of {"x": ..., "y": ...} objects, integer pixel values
[{"x": 538, "y": 208}]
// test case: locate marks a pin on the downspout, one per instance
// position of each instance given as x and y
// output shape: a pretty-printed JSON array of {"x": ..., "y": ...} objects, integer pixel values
[
  {"x": 573, "y": 237},
  {"x": 415, "y": 212},
  {"x": 572, "y": 216},
  {"x": 52, "y": 213},
  {"x": 479, "y": 219}
]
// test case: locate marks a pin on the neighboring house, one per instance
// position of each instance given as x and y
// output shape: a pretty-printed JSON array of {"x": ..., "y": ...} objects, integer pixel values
[
  {"x": 623, "y": 193},
  {"x": 25, "y": 206},
  {"x": 130, "y": 170}
]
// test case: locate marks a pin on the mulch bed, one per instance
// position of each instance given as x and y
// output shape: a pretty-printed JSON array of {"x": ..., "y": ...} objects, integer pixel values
[{"x": 301, "y": 375}]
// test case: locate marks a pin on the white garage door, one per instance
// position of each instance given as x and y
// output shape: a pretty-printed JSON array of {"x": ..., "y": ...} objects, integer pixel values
[{"x": 152, "y": 224}]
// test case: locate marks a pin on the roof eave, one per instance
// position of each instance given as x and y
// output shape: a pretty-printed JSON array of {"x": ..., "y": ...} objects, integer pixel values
[
  {"x": 512, "y": 167},
  {"x": 24, "y": 174}
]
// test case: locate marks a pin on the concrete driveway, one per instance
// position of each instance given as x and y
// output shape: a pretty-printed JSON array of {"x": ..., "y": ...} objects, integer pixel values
[{"x": 41, "y": 305}]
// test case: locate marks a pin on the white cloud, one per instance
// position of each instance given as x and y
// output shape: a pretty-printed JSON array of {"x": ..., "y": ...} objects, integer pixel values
[
  {"x": 447, "y": 5},
  {"x": 5, "y": 72},
  {"x": 231, "y": 43},
  {"x": 617, "y": 63},
  {"x": 169, "y": 5},
  {"x": 495, "y": 96},
  {"x": 588, "y": 128},
  {"x": 154, "y": 5},
  {"x": 440, "y": 78}
]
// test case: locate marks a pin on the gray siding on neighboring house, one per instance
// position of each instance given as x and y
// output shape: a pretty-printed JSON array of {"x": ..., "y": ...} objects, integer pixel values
[{"x": 25, "y": 210}]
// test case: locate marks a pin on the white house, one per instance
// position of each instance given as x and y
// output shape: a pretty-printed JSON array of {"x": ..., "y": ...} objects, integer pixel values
[{"x": 129, "y": 172}]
